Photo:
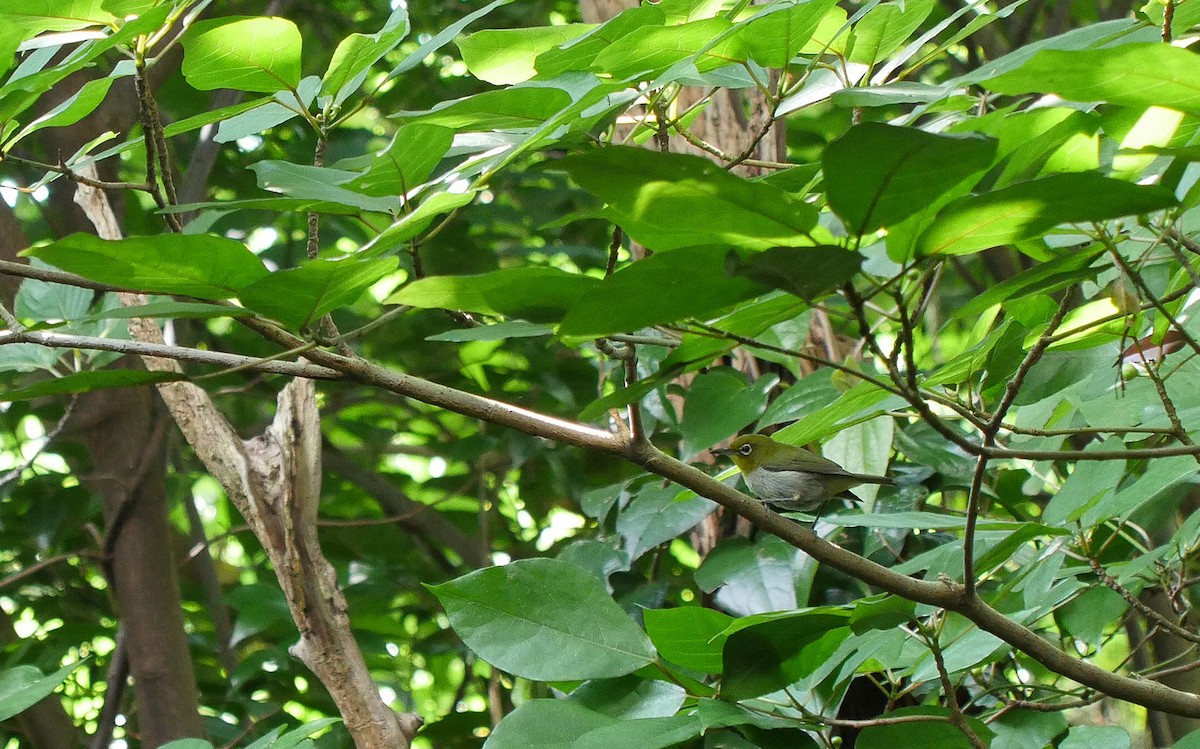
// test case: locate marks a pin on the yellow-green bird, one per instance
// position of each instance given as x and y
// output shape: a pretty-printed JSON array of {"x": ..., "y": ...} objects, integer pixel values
[{"x": 791, "y": 477}]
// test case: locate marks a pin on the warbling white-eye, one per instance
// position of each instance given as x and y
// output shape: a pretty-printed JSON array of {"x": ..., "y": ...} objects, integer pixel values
[{"x": 791, "y": 477}]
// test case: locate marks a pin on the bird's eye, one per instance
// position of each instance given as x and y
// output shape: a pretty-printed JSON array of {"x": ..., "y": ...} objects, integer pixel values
[{"x": 746, "y": 449}]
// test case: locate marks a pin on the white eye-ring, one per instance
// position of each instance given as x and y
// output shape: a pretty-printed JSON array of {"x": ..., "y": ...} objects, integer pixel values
[{"x": 746, "y": 449}]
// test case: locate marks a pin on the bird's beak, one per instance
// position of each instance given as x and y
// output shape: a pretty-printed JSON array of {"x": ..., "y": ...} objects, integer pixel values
[{"x": 722, "y": 451}]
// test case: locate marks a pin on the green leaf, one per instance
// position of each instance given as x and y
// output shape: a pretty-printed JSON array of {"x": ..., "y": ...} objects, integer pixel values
[
  {"x": 406, "y": 162},
  {"x": 1030, "y": 209},
  {"x": 934, "y": 734},
  {"x": 42, "y": 301},
  {"x": 931, "y": 521},
  {"x": 1097, "y": 737},
  {"x": 777, "y": 650},
  {"x": 1019, "y": 729},
  {"x": 192, "y": 265},
  {"x": 34, "y": 17},
  {"x": 1135, "y": 75},
  {"x": 355, "y": 55},
  {"x": 806, "y": 272},
  {"x": 443, "y": 37},
  {"x": 85, "y": 382},
  {"x": 650, "y": 50},
  {"x": 173, "y": 310},
  {"x": 657, "y": 197},
  {"x": 506, "y": 109},
  {"x": 750, "y": 578},
  {"x": 22, "y": 687},
  {"x": 187, "y": 744},
  {"x": 777, "y": 34},
  {"x": 248, "y": 54},
  {"x": 630, "y": 697},
  {"x": 300, "y": 296},
  {"x": 411, "y": 224},
  {"x": 545, "y": 724},
  {"x": 496, "y": 332},
  {"x": 690, "y": 636},
  {"x": 861, "y": 402},
  {"x": 884, "y": 28},
  {"x": 318, "y": 183},
  {"x": 719, "y": 403},
  {"x": 877, "y": 175},
  {"x": 653, "y": 517},
  {"x": 644, "y": 733},
  {"x": 579, "y": 54},
  {"x": 79, "y": 105},
  {"x": 538, "y": 294},
  {"x": 505, "y": 56},
  {"x": 881, "y": 612},
  {"x": 546, "y": 620},
  {"x": 669, "y": 286}
]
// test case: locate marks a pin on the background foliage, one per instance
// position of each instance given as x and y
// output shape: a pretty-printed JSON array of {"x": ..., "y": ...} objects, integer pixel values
[{"x": 527, "y": 275}]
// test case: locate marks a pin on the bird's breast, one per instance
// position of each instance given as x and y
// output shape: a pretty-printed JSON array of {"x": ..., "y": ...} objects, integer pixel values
[{"x": 773, "y": 486}]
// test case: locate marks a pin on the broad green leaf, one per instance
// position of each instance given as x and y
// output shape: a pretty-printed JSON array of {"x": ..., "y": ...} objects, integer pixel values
[
  {"x": 1030, "y": 209},
  {"x": 934, "y": 734},
  {"x": 877, "y": 175},
  {"x": 192, "y": 265},
  {"x": 79, "y": 105},
  {"x": 581, "y": 51},
  {"x": 538, "y": 294},
  {"x": 653, "y": 517},
  {"x": 248, "y": 54},
  {"x": 546, "y": 620},
  {"x": 718, "y": 404},
  {"x": 318, "y": 183},
  {"x": 22, "y": 687},
  {"x": 505, "y": 109},
  {"x": 33, "y": 17},
  {"x": 298, "y": 737},
  {"x": 355, "y": 55},
  {"x": 777, "y": 34},
  {"x": 505, "y": 56},
  {"x": 930, "y": 521},
  {"x": 496, "y": 332},
  {"x": 644, "y": 733},
  {"x": 861, "y": 402},
  {"x": 630, "y": 697},
  {"x": 1135, "y": 75},
  {"x": 882, "y": 611},
  {"x": 671, "y": 286},
  {"x": 187, "y": 744},
  {"x": 806, "y": 272},
  {"x": 545, "y": 724},
  {"x": 406, "y": 162},
  {"x": 1019, "y": 729},
  {"x": 1046, "y": 277},
  {"x": 85, "y": 382},
  {"x": 42, "y": 300},
  {"x": 750, "y": 578},
  {"x": 657, "y": 198},
  {"x": 884, "y": 28},
  {"x": 300, "y": 296},
  {"x": 1040, "y": 141},
  {"x": 779, "y": 650},
  {"x": 1092, "y": 36},
  {"x": 1097, "y": 737},
  {"x": 690, "y": 636},
  {"x": 650, "y": 50}
]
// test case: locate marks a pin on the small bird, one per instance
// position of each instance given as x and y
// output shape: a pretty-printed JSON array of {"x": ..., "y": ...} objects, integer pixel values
[{"x": 790, "y": 477}]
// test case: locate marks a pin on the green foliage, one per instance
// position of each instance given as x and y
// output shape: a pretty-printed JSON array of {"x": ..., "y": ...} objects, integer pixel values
[{"x": 960, "y": 238}]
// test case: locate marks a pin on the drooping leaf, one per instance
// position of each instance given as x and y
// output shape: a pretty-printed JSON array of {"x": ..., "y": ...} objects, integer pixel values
[
  {"x": 657, "y": 199},
  {"x": 248, "y": 54},
  {"x": 544, "y": 619},
  {"x": 318, "y": 183},
  {"x": 504, "y": 109},
  {"x": 653, "y": 517},
  {"x": 300, "y": 296},
  {"x": 935, "y": 734},
  {"x": 1030, "y": 209},
  {"x": 192, "y": 265},
  {"x": 876, "y": 175}
]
